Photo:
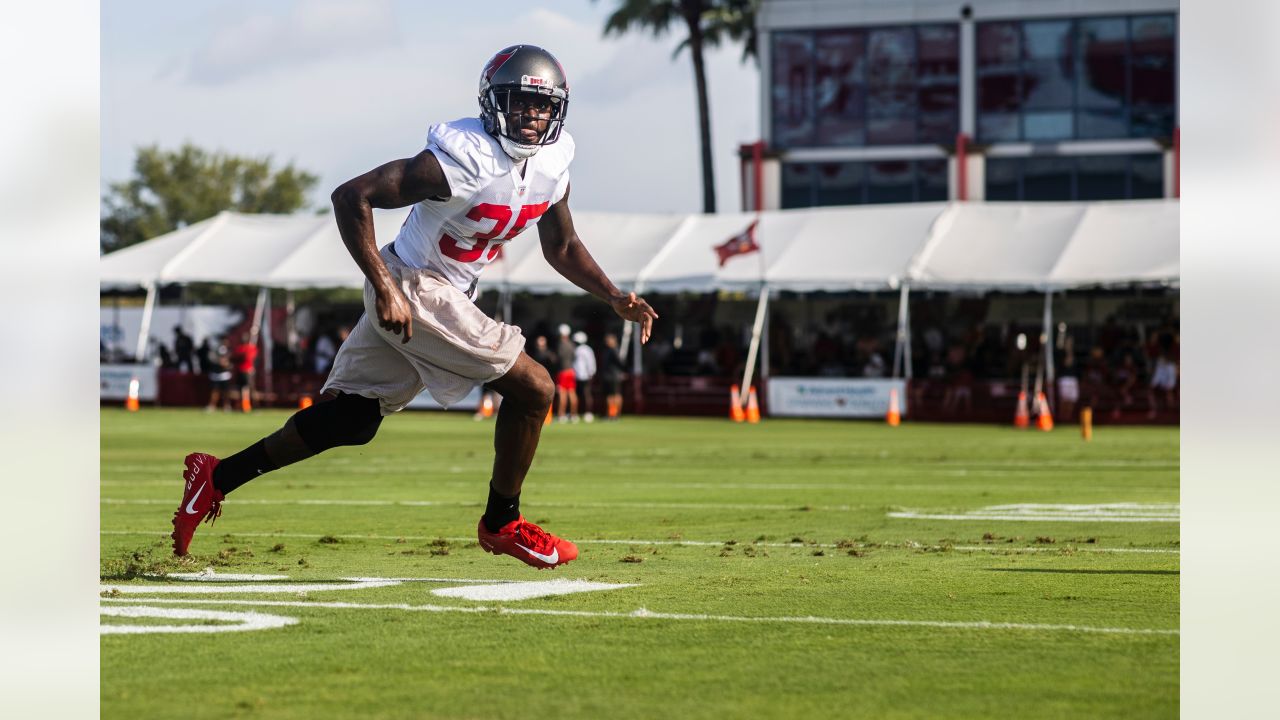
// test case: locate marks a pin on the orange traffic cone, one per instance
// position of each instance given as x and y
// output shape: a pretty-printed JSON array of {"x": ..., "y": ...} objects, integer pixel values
[
  {"x": 131, "y": 400},
  {"x": 305, "y": 402},
  {"x": 547, "y": 421},
  {"x": 1086, "y": 423},
  {"x": 1022, "y": 418},
  {"x": 1044, "y": 418},
  {"x": 753, "y": 407},
  {"x": 246, "y": 401},
  {"x": 894, "y": 416},
  {"x": 486, "y": 406},
  {"x": 735, "y": 405}
]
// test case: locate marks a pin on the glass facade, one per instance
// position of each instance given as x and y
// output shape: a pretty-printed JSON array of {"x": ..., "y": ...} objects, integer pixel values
[
  {"x": 1078, "y": 177},
  {"x": 1083, "y": 78},
  {"x": 856, "y": 183},
  {"x": 854, "y": 87},
  {"x": 1042, "y": 80}
]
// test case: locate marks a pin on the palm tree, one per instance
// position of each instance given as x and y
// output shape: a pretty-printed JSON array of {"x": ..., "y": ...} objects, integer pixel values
[{"x": 709, "y": 22}]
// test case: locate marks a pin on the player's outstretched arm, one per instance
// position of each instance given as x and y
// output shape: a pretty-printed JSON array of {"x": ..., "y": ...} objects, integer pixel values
[
  {"x": 396, "y": 184},
  {"x": 565, "y": 252}
]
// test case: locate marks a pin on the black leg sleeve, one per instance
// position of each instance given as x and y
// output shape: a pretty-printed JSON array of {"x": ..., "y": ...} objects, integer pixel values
[{"x": 345, "y": 420}]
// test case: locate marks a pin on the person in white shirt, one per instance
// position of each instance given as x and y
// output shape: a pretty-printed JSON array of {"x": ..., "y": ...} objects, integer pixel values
[
  {"x": 584, "y": 368},
  {"x": 477, "y": 185}
]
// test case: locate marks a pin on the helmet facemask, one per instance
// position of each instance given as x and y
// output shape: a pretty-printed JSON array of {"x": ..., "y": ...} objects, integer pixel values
[{"x": 505, "y": 123}]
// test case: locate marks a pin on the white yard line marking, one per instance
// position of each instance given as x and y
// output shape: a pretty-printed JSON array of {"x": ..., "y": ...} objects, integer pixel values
[
  {"x": 479, "y": 590},
  {"x": 1024, "y": 518},
  {"x": 209, "y": 575},
  {"x": 472, "y": 504},
  {"x": 643, "y": 614},
  {"x": 524, "y": 591},
  {"x": 1103, "y": 512},
  {"x": 240, "y": 621},
  {"x": 642, "y": 542},
  {"x": 213, "y": 588}
]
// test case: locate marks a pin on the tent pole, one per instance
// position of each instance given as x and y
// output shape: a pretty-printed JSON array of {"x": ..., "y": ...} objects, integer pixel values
[
  {"x": 148, "y": 308},
  {"x": 906, "y": 332},
  {"x": 901, "y": 343},
  {"x": 1047, "y": 343},
  {"x": 637, "y": 367},
  {"x": 115, "y": 329},
  {"x": 290, "y": 326},
  {"x": 628, "y": 329},
  {"x": 255, "y": 327},
  {"x": 755, "y": 339},
  {"x": 764, "y": 352},
  {"x": 268, "y": 345}
]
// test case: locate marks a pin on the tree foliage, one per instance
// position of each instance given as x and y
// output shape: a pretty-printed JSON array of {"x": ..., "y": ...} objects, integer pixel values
[
  {"x": 708, "y": 23},
  {"x": 173, "y": 189},
  {"x": 720, "y": 20}
]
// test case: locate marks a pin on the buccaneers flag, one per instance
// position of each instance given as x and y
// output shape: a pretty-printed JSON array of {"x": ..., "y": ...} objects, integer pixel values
[{"x": 740, "y": 244}]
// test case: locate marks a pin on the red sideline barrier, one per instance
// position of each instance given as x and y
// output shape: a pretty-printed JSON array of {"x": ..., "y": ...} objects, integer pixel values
[{"x": 989, "y": 401}]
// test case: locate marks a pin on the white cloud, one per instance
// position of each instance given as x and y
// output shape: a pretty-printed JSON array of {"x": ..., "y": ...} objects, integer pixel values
[{"x": 308, "y": 31}]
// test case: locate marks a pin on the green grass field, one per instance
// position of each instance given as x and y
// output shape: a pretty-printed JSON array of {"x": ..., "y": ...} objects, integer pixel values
[{"x": 788, "y": 569}]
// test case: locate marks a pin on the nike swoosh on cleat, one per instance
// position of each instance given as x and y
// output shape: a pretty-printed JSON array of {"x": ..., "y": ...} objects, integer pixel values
[
  {"x": 551, "y": 559},
  {"x": 191, "y": 506}
]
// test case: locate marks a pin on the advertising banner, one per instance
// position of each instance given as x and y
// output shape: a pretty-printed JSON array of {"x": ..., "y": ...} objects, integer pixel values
[
  {"x": 834, "y": 397},
  {"x": 115, "y": 381}
]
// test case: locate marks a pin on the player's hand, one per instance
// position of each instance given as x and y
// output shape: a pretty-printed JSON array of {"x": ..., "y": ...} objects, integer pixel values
[
  {"x": 630, "y": 307},
  {"x": 394, "y": 313}
]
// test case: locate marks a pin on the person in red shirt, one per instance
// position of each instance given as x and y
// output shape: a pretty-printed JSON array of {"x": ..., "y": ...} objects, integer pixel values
[{"x": 244, "y": 356}]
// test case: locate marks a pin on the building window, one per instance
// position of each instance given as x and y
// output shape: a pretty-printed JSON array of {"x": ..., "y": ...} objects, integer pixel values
[
  {"x": 854, "y": 87},
  {"x": 855, "y": 183},
  {"x": 1087, "y": 78},
  {"x": 1080, "y": 177}
]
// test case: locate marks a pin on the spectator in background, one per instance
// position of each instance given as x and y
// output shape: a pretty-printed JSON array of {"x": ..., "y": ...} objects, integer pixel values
[
  {"x": 566, "y": 382},
  {"x": 219, "y": 374},
  {"x": 1068, "y": 384},
  {"x": 166, "y": 357},
  {"x": 874, "y": 367},
  {"x": 542, "y": 353},
  {"x": 325, "y": 350},
  {"x": 1125, "y": 378},
  {"x": 960, "y": 390},
  {"x": 584, "y": 369},
  {"x": 183, "y": 350},
  {"x": 282, "y": 358},
  {"x": 611, "y": 374},
  {"x": 204, "y": 357},
  {"x": 1094, "y": 379},
  {"x": 243, "y": 358},
  {"x": 1165, "y": 375}
]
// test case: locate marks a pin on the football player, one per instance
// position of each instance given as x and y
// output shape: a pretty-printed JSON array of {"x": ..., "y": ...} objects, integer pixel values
[{"x": 478, "y": 184}]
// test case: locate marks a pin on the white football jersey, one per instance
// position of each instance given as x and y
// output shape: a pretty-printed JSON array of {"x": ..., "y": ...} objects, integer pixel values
[{"x": 490, "y": 205}]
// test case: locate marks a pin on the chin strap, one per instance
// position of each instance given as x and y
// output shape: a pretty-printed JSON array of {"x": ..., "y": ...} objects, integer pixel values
[{"x": 518, "y": 151}]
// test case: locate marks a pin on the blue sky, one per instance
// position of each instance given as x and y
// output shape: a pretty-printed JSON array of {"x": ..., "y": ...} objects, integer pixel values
[{"x": 340, "y": 87}]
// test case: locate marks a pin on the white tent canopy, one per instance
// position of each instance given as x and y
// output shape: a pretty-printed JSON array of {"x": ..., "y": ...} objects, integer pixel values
[
  {"x": 1012, "y": 246},
  {"x": 1048, "y": 246}
]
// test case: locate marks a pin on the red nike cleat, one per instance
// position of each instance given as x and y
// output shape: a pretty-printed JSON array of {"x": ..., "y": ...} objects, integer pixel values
[
  {"x": 525, "y": 541},
  {"x": 200, "y": 500}
]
